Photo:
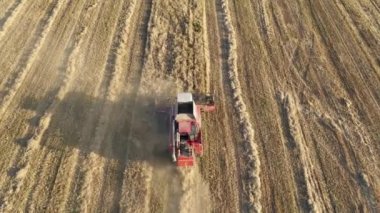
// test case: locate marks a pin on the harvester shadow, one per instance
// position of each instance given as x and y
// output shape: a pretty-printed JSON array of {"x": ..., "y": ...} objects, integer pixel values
[{"x": 130, "y": 129}]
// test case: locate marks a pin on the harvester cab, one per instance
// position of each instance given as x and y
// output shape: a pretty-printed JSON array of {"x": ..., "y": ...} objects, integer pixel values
[{"x": 185, "y": 132}]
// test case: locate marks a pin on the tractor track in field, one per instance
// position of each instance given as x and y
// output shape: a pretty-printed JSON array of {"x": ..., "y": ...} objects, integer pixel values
[
  {"x": 284, "y": 26},
  {"x": 293, "y": 140},
  {"x": 7, "y": 19},
  {"x": 75, "y": 177},
  {"x": 29, "y": 136},
  {"x": 362, "y": 75},
  {"x": 32, "y": 139},
  {"x": 16, "y": 41},
  {"x": 110, "y": 195},
  {"x": 138, "y": 41},
  {"x": 364, "y": 33},
  {"x": 4, "y": 6},
  {"x": 58, "y": 157},
  {"x": 77, "y": 160},
  {"x": 45, "y": 121},
  {"x": 94, "y": 162},
  {"x": 298, "y": 153},
  {"x": 349, "y": 79},
  {"x": 119, "y": 47},
  {"x": 230, "y": 75},
  {"x": 11, "y": 11},
  {"x": 135, "y": 194},
  {"x": 337, "y": 63},
  {"x": 220, "y": 142},
  {"x": 60, "y": 92},
  {"x": 375, "y": 5},
  {"x": 44, "y": 113},
  {"x": 260, "y": 38},
  {"x": 28, "y": 56}
]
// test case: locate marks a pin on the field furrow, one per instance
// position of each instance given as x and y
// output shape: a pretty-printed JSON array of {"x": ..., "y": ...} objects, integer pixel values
[
  {"x": 29, "y": 55},
  {"x": 251, "y": 162},
  {"x": 19, "y": 84},
  {"x": 31, "y": 141},
  {"x": 8, "y": 14}
]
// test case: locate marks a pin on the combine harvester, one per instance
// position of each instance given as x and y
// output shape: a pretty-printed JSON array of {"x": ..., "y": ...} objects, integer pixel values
[{"x": 185, "y": 127}]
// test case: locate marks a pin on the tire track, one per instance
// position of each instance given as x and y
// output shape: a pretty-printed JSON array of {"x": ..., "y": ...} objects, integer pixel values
[
  {"x": 230, "y": 75},
  {"x": 58, "y": 156},
  {"x": 263, "y": 74},
  {"x": 352, "y": 25},
  {"x": 307, "y": 192},
  {"x": 365, "y": 49},
  {"x": 284, "y": 67},
  {"x": 219, "y": 165},
  {"x": 14, "y": 41},
  {"x": 305, "y": 186},
  {"x": 351, "y": 156},
  {"x": 41, "y": 111},
  {"x": 162, "y": 187},
  {"x": 72, "y": 195},
  {"x": 333, "y": 99},
  {"x": 65, "y": 79},
  {"x": 340, "y": 65},
  {"x": 29, "y": 55},
  {"x": 376, "y": 5},
  {"x": 371, "y": 15},
  {"x": 109, "y": 193},
  {"x": 331, "y": 121},
  {"x": 355, "y": 156},
  {"x": 47, "y": 174},
  {"x": 7, "y": 19},
  {"x": 4, "y": 6},
  {"x": 8, "y": 13},
  {"x": 19, "y": 83},
  {"x": 336, "y": 62},
  {"x": 109, "y": 90},
  {"x": 348, "y": 81},
  {"x": 72, "y": 65},
  {"x": 365, "y": 21},
  {"x": 136, "y": 175},
  {"x": 32, "y": 140},
  {"x": 135, "y": 41}
]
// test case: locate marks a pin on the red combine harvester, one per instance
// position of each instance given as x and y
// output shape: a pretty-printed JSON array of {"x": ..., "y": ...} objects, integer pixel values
[{"x": 185, "y": 127}]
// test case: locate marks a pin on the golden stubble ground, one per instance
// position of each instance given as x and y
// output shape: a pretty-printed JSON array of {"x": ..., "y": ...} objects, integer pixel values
[{"x": 297, "y": 87}]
